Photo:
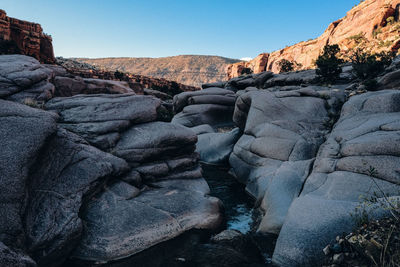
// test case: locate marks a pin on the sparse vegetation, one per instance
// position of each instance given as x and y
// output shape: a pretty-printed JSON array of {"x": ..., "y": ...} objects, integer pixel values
[
  {"x": 118, "y": 75},
  {"x": 287, "y": 65},
  {"x": 358, "y": 38},
  {"x": 247, "y": 71},
  {"x": 390, "y": 20},
  {"x": 33, "y": 103},
  {"x": 328, "y": 64}
]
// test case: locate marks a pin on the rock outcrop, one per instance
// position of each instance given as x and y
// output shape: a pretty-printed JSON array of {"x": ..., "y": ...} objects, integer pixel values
[
  {"x": 364, "y": 26},
  {"x": 360, "y": 157},
  {"x": 28, "y": 37},
  {"x": 93, "y": 177}
]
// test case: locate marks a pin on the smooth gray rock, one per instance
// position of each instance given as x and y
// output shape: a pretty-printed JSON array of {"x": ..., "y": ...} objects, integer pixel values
[
  {"x": 23, "y": 79},
  {"x": 360, "y": 158},
  {"x": 215, "y": 148},
  {"x": 202, "y": 129},
  {"x": 23, "y": 133},
  {"x": 390, "y": 80},
  {"x": 66, "y": 86},
  {"x": 154, "y": 141},
  {"x": 183, "y": 99},
  {"x": 65, "y": 176},
  {"x": 281, "y": 137},
  {"x": 211, "y": 114},
  {"x": 118, "y": 228},
  {"x": 292, "y": 78},
  {"x": 100, "y": 119}
]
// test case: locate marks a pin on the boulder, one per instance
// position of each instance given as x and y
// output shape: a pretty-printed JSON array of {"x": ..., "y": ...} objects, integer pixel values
[
  {"x": 215, "y": 148},
  {"x": 65, "y": 176},
  {"x": 119, "y": 225},
  {"x": 282, "y": 132},
  {"x": 101, "y": 118},
  {"x": 66, "y": 86},
  {"x": 390, "y": 80},
  {"x": 24, "y": 79},
  {"x": 23, "y": 133},
  {"x": 359, "y": 158}
]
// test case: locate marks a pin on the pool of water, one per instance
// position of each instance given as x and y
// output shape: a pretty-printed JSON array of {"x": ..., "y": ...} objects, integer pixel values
[{"x": 238, "y": 205}]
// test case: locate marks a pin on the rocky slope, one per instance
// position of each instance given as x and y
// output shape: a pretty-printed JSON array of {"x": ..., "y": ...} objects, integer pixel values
[
  {"x": 304, "y": 151},
  {"x": 139, "y": 83},
  {"x": 28, "y": 37},
  {"x": 188, "y": 69},
  {"x": 366, "y": 25}
]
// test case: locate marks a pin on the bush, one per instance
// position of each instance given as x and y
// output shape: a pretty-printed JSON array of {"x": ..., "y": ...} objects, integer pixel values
[
  {"x": 246, "y": 71},
  {"x": 358, "y": 38},
  {"x": 390, "y": 20},
  {"x": 286, "y": 65},
  {"x": 368, "y": 66},
  {"x": 118, "y": 75},
  {"x": 328, "y": 64}
]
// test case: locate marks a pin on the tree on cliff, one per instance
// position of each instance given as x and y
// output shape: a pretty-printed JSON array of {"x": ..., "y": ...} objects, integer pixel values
[{"x": 328, "y": 64}]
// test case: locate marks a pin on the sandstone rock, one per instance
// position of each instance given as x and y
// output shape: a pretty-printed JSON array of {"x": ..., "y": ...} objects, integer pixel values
[
  {"x": 65, "y": 86},
  {"x": 281, "y": 136},
  {"x": 23, "y": 133},
  {"x": 28, "y": 37},
  {"x": 23, "y": 78},
  {"x": 362, "y": 144},
  {"x": 364, "y": 18},
  {"x": 68, "y": 172},
  {"x": 118, "y": 228},
  {"x": 216, "y": 148}
]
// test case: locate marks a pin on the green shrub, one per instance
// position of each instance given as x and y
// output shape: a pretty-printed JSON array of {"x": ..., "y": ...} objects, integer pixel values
[
  {"x": 246, "y": 71},
  {"x": 367, "y": 66},
  {"x": 328, "y": 64},
  {"x": 390, "y": 20},
  {"x": 358, "y": 38},
  {"x": 285, "y": 65},
  {"x": 376, "y": 32},
  {"x": 118, "y": 75}
]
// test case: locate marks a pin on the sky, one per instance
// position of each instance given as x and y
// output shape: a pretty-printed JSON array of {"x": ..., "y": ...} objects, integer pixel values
[{"x": 157, "y": 28}]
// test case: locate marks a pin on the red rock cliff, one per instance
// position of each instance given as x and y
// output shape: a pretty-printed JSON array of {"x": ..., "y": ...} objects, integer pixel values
[
  {"x": 28, "y": 36},
  {"x": 368, "y": 21}
]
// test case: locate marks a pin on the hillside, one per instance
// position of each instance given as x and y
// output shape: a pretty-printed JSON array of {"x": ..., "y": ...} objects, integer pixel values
[
  {"x": 372, "y": 25},
  {"x": 188, "y": 69}
]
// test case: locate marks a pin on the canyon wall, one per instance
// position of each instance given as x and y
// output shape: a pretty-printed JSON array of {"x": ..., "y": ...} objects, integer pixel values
[
  {"x": 364, "y": 26},
  {"x": 28, "y": 37}
]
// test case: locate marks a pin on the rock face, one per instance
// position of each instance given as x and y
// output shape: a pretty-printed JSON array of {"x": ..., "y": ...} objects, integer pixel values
[
  {"x": 343, "y": 32},
  {"x": 95, "y": 177},
  {"x": 361, "y": 148},
  {"x": 162, "y": 196},
  {"x": 28, "y": 37},
  {"x": 212, "y": 106},
  {"x": 282, "y": 132}
]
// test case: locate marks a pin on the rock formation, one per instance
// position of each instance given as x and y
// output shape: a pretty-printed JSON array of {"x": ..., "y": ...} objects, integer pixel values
[
  {"x": 304, "y": 156},
  {"x": 363, "y": 26},
  {"x": 192, "y": 70},
  {"x": 93, "y": 177},
  {"x": 28, "y": 37},
  {"x": 136, "y": 82}
]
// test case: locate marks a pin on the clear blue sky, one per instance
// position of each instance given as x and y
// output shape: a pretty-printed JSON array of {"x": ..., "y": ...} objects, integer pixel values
[{"x": 156, "y": 28}]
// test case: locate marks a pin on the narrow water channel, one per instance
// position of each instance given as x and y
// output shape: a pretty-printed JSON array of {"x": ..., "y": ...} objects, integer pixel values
[{"x": 238, "y": 206}]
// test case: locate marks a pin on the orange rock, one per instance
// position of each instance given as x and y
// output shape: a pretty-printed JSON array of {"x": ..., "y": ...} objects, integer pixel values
[
  {"x": 365, "y": 18},
  {"x": 28, "y": 36}
]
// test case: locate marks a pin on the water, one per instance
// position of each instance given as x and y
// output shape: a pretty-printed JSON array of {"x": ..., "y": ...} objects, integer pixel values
[{"x": 237, "y": 204}]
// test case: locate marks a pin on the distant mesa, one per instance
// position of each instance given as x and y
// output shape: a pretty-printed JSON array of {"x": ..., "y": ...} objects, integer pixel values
[
  {"x": 26, "y": 38},
  {"x": 372, "y": 25},
  {"x": 192, "y": 70}
]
